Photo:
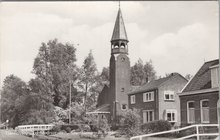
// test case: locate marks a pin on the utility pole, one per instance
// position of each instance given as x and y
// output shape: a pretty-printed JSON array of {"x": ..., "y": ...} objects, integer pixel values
[
  {"x": 218, "y": 103},
  {"x": 70, "y": 104}
]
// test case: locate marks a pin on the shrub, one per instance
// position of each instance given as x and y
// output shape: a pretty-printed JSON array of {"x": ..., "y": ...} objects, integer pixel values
[
  {"x": 98, "y": 123},
  {"x": 69, "y": 126},
  {"x": 130, "y": 122},
  {"x": 103, "y": 124},
  {"x": 68, "y": 129},
  {"x": 56, "y": 128},
  {"x": 156, "y": 126},
  {"x": 85, "y": 128}
]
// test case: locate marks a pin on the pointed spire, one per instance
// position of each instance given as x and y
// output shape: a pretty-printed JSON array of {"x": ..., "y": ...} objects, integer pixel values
[{"x": 119, "y": 32}]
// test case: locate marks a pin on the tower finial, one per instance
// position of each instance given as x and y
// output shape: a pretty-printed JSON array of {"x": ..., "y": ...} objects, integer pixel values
[{"x": 119, "y": 4}]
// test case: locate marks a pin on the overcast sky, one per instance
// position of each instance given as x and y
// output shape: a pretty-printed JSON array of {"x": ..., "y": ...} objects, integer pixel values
[{"x": 176, "y": 36}]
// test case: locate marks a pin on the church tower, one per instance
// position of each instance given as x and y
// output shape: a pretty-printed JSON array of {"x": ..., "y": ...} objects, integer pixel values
[{"x": 119, "y": 69}]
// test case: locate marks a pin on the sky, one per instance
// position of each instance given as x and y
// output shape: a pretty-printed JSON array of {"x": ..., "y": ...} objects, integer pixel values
[{"x": 178, "y": 36}]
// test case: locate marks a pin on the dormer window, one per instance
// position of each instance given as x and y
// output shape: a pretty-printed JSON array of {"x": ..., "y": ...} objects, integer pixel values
[{"x": 215, "y": 76}]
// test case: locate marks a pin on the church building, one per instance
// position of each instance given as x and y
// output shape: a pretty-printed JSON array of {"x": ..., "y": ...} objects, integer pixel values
[
  {"x": 113, "y": 97},
  {"x": 156, "y": 99}
]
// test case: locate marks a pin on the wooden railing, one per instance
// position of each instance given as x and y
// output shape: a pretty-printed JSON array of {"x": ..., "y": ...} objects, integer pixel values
[{"x": 197, "y": 134}]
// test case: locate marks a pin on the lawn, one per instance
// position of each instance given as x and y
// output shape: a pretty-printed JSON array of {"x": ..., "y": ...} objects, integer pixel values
[{"x": 75, "y": 136}]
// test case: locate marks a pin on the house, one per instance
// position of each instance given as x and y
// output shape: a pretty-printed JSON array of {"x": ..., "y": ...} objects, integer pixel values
[
  {"x": 198, "y": 99},
  {"x": 158, "y": 99}
]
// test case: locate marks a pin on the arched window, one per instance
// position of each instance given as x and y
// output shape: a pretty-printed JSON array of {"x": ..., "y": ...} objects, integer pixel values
[
  {"x": 122, "y": 45},
  {"x": 116, "y": 46}
]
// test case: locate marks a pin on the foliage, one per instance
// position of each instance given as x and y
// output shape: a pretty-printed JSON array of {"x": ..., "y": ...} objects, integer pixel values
[
  {"x": 156, "y": 126},
  {"x": 97, "y": 123},
  {"x": 22, "y": 106},
  {"x": 105, "y": 75},
  {"x": 61, "y": 115},
  {"x": 55, "y": 67},
  {"x": 56, "y": 128},
  {"x": 188, "y": 76},
  {"x": 77, "y": 113},
  {"x": 130, "y": 123},
  {"x": 68, "y": 129},
  {"x": 103, "y": 124},
  {"x": 141, "y": 73},
  {"x": 88, "y": 81},
  {"x": 13, "y": 94}
]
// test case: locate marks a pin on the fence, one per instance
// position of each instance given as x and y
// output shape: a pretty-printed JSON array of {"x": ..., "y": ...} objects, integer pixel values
[{"x": 199, "y": 132}]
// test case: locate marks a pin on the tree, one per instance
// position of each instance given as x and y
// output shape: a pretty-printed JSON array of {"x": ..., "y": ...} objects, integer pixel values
[
  {"x": 88, "y": 80},
  {"x": 55, "y": 67},
  {"x": 13, "y": 94},
  {"x": 141, "y": 73},
  {"x": 24, "y": 104},
  {"x": 188, "y": 76},
  {"x": 105, "y": 75}
]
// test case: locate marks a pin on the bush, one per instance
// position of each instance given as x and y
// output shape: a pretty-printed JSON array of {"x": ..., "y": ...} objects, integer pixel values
[
  {"x": 130, "y": 122},
  {"x": 103, "y": 125},
  {"x": 156, "y": 126},
  {"x": 85, "y": 128},
  {"x": 56, "y": 128},
  {"x": 68, "y": 129},
  {"x": 97, "y": 123}
]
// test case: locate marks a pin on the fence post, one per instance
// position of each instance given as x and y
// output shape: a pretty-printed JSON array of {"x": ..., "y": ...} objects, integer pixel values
[
  {"x": 197, "y": 132},
  {"x": 140, "y": 138}
]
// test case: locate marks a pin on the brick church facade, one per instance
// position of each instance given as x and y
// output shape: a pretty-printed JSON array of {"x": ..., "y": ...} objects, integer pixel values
[{"x": 113, "y": 98}]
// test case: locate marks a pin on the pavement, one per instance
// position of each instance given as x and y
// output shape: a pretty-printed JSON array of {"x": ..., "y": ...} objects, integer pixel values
[{"x": 11, "y": 135}]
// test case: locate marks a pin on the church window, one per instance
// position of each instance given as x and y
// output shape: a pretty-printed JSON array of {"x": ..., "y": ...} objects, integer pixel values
[
  {"x": 116, "y": 46},
  {"x": 122, "y": 89},
  {"x": 123, "y": 106},
  {"x": 122, "y": 45}
]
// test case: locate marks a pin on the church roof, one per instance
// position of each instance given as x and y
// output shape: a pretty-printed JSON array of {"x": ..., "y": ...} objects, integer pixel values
[{"x": 119, "y": 32}]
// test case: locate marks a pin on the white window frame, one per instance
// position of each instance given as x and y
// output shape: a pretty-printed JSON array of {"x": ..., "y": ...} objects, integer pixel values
[
  {"x": 201, "y": 111},
  {"x": 132, "y": 98},
  {"x": 147, "y": 120},
  {"x": 169, "y": 93},
  {"x": 188, "y": 112},
  {"x": 148, "y": 94},
  {"x": 172, "y": 111}
]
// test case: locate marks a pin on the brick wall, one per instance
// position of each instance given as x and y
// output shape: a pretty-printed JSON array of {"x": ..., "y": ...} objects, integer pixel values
[
  {"x": 213, "y": 99},
  {"x": 141, "y": 105},
  {"x": 174, "y": 84},
  {"x": 119, "y": 82}
]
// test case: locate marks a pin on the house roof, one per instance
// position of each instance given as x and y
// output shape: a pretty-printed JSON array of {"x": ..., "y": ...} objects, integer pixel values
[
  {"x": 119, "y": 32},
  {"x": 153, "y": 84},
  {"x": 202, "y": 79}
]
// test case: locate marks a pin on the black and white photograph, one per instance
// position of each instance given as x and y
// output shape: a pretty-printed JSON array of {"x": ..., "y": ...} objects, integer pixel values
[{"x": 109, "y": 70}]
